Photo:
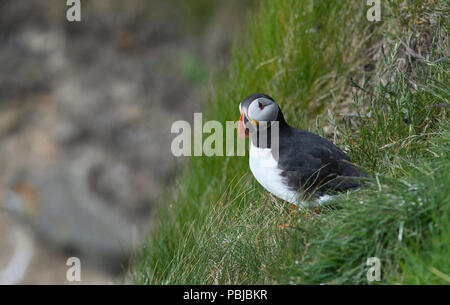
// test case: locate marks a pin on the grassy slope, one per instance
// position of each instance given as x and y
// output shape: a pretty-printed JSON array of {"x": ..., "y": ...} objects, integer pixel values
[{"x": 221, "y": 227}]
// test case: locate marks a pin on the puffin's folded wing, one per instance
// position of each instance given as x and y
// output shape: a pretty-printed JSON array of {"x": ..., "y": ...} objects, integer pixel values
[{"x": 319, "y": 170}]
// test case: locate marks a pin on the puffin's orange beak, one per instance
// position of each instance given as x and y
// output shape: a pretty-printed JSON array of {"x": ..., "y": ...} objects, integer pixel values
[{"x": 242, "y": 130}]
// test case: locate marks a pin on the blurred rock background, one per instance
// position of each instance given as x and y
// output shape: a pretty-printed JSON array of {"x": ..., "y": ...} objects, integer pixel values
[{"x": 85, "y": 116}]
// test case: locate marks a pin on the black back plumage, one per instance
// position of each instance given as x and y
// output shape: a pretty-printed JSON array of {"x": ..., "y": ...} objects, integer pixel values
[{"x": 313, "y": 164}]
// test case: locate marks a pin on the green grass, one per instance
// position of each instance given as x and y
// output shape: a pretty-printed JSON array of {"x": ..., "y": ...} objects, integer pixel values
[{"x": 219, "y": 226}]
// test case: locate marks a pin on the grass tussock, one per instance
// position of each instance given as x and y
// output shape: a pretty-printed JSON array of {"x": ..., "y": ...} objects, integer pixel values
[{"x": 221, "y": 227}]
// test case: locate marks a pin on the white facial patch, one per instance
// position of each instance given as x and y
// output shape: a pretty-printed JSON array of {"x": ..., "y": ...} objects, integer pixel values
[{"x": 262, "y": 109}]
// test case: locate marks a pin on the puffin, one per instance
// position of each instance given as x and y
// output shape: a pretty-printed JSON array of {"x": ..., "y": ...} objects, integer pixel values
[{"x": 295, "y": 165}]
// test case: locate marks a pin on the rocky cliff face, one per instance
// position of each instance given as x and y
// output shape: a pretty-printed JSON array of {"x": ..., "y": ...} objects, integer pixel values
[{"x": 85, "y": 116}]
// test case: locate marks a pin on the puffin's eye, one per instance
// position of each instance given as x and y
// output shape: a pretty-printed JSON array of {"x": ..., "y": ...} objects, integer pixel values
[{"x": 260, "y": 105}]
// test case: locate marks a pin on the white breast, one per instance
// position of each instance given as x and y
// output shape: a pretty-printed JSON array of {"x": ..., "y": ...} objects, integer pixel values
[{"x": 264, "y": 168}]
